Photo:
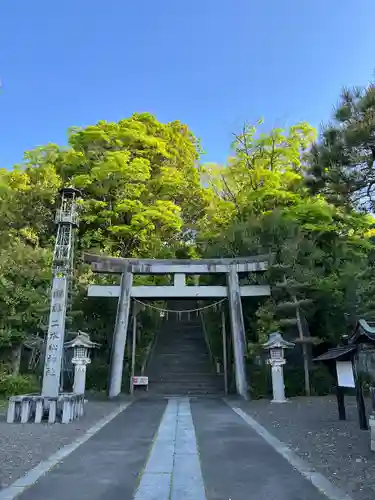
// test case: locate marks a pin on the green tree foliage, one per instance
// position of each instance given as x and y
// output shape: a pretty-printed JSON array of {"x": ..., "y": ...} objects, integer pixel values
[
  {"x": 341, "y": 165},
  {"x": 304, "y": 201},
  {"x": 141, "y": 196},
  {"x": 139, "y": 178},
  {"x": 264, "y": 173},
  {"x": 261, "y": 204},
  {"x": 140, "y": 181},
  {"x": 24, "y": 285},
  {"x": 24, "y": 265}
]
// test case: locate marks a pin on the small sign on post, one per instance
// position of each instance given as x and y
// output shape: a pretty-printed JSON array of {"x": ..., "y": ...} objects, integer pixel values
[
  {"x": 345, "y": 374},
  {"x": 140, "y": 381},
  {"x": 342, "y": 363}
]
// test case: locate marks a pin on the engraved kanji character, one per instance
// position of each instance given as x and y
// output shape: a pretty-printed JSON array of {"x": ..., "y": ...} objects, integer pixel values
[
  {"x": 56, "y": 308},
  {"x": 53, "y": 335},
  {"x": 50, "y": 371}
]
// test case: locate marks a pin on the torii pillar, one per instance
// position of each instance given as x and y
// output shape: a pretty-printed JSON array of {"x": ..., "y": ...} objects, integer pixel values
[
  {"x": 121, "y": 328},
  {"x": 238, "y": 330}
]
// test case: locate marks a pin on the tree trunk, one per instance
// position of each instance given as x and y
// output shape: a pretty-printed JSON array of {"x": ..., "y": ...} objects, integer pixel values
[
  {"x": 16, "y": 359},
  {"x": 304, "y": 349}
]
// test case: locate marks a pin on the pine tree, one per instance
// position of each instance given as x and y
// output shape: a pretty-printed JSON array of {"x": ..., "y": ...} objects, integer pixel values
[{"x": 341, "y": 164}]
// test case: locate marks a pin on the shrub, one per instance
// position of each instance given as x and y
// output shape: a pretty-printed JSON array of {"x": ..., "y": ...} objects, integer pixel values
[
  {"x": 259, "y": 381},
  {"x": 97, "y": 375},
  {"x": 294, "y": 380},
  {"x": 12, "y": 385},
  {"x": 260, "y": 384},
  {"x": 322, "y": 382}
]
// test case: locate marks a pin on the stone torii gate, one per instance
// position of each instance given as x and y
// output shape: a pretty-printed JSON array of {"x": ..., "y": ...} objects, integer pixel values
[{"x": 179, "y": 268}]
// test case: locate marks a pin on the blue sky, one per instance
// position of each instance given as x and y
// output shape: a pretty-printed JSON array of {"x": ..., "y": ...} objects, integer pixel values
[{"x": 210, "y": 63}]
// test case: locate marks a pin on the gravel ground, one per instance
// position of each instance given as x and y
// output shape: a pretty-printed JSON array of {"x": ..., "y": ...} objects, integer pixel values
[
  {"x": 337, "y": 449},
  {"x": 23, "y": 446}
]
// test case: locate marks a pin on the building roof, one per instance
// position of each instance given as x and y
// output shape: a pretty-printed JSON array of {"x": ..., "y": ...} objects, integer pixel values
[
  {"x": 342, "y": 353},
  {"x": 363, "y": 332}
]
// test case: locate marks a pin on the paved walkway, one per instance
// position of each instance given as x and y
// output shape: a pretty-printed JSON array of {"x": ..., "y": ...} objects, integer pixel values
[{"x": 179, "y": 450}]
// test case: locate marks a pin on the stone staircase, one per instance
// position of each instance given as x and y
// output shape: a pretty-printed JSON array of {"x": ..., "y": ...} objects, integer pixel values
[{"x": 180, "y": 363}]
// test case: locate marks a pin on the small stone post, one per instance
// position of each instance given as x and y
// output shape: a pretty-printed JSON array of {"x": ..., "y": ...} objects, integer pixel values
[
  {"x": 276, "y": 345},
  {"x": 372, "y": 431},
  {"x": 81, "y": 358}
]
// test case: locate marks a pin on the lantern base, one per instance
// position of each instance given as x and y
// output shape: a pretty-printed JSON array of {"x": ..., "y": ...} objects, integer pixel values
[{"x": 79, "y": 385}]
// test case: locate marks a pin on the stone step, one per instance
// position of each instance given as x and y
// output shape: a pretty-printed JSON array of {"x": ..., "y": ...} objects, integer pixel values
[
  {"x": 183, "y": 327},
  {"x": 159, "y": 387},
  {"x": 185, "y": 383},
  {"x": 180, "y": 369},
  {"x": 166, "y": 374},
  {"x": 170, "y": 350},
  {"x": 179, "y": 360},
  {"x": 162, "y": 386},
  {"x": 192, "y": 350},
  {"x": 162, "y": 362},
  {"x": 176, "y": 337},
  {"x": 183, "y": 342},
  {"x": 156, "y": 396},
  {"x": 169, "y": 357},
  {"x": 180, "y": 391},
  {"x": 175, "y": 389},
  {"x": 180, "y": 364},
  {"x": 186, "y": 369},
  {"x": 180, "y": 340},
  {"x": 186, "y": 377}
]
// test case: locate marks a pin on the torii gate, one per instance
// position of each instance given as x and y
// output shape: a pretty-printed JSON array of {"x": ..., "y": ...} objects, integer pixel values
[{"x": 179, "y": 268}]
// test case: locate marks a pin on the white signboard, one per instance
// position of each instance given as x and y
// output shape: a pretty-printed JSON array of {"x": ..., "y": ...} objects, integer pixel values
[
  {"x": 140, "y": 380},
  {"x": 345, "y": 375}
]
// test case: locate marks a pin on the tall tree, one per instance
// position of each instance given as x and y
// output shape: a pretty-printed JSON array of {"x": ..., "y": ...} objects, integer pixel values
[
  {"x": 264, "y": 173},
  {"x": 341, "y": 164},
  {"x": 142, "y": 196},
  {"x": 140, "y": 181},
  {"x": 260, "y": 203}
]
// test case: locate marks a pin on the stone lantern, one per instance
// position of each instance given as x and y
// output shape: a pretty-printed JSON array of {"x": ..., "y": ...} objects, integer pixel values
[
  {"x": 81, "y": 346},
  {"x": 276, "y": 345}
]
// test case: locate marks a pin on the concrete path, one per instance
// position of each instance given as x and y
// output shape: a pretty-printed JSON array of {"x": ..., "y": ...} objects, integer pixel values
[{"x": 179, "y": 450}]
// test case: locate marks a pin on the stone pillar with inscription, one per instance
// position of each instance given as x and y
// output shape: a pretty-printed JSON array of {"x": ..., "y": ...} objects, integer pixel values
[{"x": 55, "y": 338}]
